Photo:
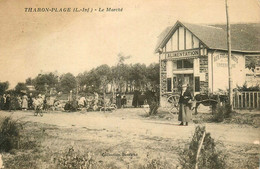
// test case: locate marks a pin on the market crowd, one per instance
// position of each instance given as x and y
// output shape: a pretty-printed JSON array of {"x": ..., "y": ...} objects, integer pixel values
[{"x": 10, "y": 102}]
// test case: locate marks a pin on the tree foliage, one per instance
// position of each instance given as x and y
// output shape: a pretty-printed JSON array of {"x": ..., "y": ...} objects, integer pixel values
[
  {"x": 44, "y": 81},
  {"x": 68, "y": 82},
  {"x": 122, "y": 76},
  {"x": 20, "y": 87},
  {"x": 3, "y": 87}
]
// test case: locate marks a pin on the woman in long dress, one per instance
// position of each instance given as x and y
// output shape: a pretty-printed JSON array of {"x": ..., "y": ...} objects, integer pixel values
[
  {"x": 184, "y": 102},
  {"x": 25, "y": 102}
]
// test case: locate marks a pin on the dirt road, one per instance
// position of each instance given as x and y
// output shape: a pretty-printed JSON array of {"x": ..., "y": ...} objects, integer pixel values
[
  {"x": 132, "y": 121},
  {"x": 128, "y": 130}
]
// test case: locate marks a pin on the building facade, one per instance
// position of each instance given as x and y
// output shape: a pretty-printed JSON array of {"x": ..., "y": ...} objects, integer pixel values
[{"x": 196, "y": 55}]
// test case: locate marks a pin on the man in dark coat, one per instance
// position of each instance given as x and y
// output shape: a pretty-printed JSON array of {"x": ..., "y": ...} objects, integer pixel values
[
  {"x": 118, "y": 99},
  {"x": 8, "y": 103},
  {"x": 135, "y": 98},
  {"x": 30, "y": 102}
]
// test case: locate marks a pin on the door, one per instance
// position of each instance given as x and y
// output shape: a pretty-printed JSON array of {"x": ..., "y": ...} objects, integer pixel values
[{"x": 185, "y": 79}]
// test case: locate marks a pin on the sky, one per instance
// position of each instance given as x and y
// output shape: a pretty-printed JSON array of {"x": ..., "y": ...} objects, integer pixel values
[{"x": 75, "y": 42}]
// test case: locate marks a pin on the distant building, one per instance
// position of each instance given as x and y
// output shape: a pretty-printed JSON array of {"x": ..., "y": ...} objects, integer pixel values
[
  {"x": 196, "y": 55},
  {"x": 31, "y": 88}
]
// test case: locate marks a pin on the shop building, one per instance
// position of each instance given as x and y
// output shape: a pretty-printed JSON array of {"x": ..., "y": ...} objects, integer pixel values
[{"x": 196, "y": 55}]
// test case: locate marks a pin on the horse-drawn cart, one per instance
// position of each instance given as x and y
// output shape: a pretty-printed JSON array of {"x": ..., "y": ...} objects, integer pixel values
[{"x": 204, "y": 99}]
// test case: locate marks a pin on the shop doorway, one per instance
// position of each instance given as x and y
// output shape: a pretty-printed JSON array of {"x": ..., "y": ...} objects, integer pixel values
[{"x": 180, "y": 79}]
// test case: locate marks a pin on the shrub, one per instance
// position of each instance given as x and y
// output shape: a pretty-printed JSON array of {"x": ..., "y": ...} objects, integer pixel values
[
  {"x": 222, "y": 113},
  {"x": 209, "y": 156},
  {"x": 153, "y": 108},
  {"x": 248, "y": 88},
  {"x": 9, "y": 134}
]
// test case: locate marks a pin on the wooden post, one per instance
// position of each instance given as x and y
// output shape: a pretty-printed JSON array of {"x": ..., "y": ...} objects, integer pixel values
[
  {"x": 257, "y": 100},
  {"x": 246, "y": 100},
  {"x": 160, "y": 82},
  {"x": 104, "y": 95},
  {"x": 229, "y": 59},
  {"x": 249, "y": 100},
  {"x": 253, "y": 100},
  {"x": 237, "y": 98},
  {"x": 198, "y": 152},
  {"x": 242, "y": 100}
]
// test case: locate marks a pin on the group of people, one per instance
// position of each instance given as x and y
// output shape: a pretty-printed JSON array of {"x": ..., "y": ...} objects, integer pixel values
[
  {"x": 93, "y": 102},
  {"x": 120, "y": 101},
  {"x": 11, "y": 102},
  {"x": 17, "y": 102}
]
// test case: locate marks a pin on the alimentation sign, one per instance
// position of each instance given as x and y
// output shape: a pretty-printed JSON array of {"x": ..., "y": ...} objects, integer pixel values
[{"x": 182, "y": 54}]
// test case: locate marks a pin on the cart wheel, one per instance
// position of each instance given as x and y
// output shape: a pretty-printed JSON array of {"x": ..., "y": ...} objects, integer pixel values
[
  {"x": 41, "y": 113},
  {"x": 174, "y": 101},
  {"x": 114, "y": 106}
]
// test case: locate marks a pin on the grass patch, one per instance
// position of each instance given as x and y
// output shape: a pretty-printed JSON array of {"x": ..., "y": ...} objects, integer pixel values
[
  {"x": 155, "y": 164},
  {"x": 247, "y": 119},
  {"x": 72, "y": 159}
]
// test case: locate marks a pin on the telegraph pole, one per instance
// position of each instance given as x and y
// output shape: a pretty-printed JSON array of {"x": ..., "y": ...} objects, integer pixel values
[{"x": 229, "y": 59}]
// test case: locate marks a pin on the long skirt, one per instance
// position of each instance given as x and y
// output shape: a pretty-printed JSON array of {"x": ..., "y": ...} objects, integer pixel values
[
  {"x": 25, "y": 104},
  {"x": 184, "y": 113}
]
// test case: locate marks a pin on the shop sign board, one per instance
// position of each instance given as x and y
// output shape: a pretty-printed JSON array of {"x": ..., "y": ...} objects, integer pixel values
[{"x": 187, "y": 53}]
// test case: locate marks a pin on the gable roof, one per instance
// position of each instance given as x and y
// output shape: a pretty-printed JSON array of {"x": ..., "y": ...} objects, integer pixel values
[{"x": 244, "y": 37}]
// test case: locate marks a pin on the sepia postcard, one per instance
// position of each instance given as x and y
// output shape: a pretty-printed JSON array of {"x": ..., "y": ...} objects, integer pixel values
[{"x": 95, "y": 84}]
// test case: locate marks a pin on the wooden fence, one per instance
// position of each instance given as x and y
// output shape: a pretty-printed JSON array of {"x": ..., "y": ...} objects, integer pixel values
[{"x": 246, "y": 100}]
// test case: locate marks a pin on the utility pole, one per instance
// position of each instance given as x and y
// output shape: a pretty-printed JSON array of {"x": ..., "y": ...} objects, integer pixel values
[{"x": 229, "y": 59}]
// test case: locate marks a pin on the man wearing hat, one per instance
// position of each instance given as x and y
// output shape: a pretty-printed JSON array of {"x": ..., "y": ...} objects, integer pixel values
[{"x": 184, "y": 102}]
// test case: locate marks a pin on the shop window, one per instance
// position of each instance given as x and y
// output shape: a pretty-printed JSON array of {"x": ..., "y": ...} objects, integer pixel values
[
  {"x": 169, "y": 84},
  {"x": 185, "y": 64},
  {"x": 179, "y": 64},
  {"x": 188, "y": 63}
]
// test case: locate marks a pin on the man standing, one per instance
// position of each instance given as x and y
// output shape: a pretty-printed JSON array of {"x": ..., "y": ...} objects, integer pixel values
[
  {"x": 8, "y": 103},
  {"x": 30, "y": 102},
  {"x": 118, "y": 99}
]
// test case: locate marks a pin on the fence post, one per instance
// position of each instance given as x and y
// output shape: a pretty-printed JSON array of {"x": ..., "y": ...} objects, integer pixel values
[
  {"x": 249, "y": 100},
  {"x": 198, "y": 152},
  {"x": 257, "y": 99},
  {"x": 253, "y": 98},
  {"x": 245, "y": 100}
]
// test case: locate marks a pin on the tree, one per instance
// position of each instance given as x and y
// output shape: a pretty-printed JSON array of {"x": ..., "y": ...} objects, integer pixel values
[
  {"x": 93, "y": 79},
  {"x": 120, "y": 72},
  {"x": 68, "y": 82},
  {"x": 153, "y": 75},
  {"x": 29, "y": 81},
  {"x": 43, "y": 81},
  {"x": 20, "y": 87},
  {"x": 252, "y": 62},
  {"x": 3, "y": 87},
  {"x": 138, "y": 75}
]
